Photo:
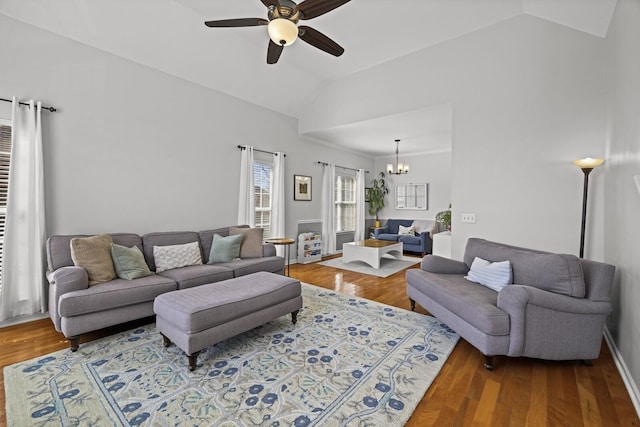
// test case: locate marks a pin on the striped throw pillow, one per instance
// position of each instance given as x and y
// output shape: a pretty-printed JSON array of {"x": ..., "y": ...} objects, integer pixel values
[{"x": 493, "y": 275}]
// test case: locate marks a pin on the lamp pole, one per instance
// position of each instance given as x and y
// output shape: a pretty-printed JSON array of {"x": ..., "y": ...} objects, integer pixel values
[{"x": 587, "y": 165}]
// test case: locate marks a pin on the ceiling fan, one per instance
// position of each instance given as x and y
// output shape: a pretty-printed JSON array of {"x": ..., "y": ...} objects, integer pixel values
[{"x": 282, "y": 25}]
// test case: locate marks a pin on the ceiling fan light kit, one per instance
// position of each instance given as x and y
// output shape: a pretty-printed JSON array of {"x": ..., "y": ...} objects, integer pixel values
[
  {"x": 282, "y": 25},
  {"x": 282, "y": 31}
]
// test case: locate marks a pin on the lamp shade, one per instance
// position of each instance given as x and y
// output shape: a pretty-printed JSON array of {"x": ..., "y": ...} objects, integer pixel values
[
  {"x": 282, "y": 31},
  {"x": 588, "y": 163}
]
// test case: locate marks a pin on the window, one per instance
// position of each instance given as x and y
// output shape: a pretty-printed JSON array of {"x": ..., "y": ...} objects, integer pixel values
[
  {"x": 5, "y": 161},
  {"x": 345, "y": 198},
  {"x": 262, "y": 185}
]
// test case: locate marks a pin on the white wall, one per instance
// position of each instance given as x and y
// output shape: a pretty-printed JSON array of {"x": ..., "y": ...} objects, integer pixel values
[
  {"x": 528, "y": 98},
  {"x": 434, "y": 169},
  {"x": 622, "y": 243},
  {"x": 136, "y": 150}
]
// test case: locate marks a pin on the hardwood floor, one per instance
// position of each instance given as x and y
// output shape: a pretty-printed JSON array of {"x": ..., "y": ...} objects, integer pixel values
[{"x": 517, "y": 392}]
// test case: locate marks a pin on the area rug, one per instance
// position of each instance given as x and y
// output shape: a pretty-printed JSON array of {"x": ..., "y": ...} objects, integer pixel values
[
  {"x": 347, "y": 362},
  {"x": 388, "y": 265}
]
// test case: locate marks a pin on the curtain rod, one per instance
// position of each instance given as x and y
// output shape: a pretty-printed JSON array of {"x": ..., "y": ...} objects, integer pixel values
[
  {"x": 52, "y": 109},
  {"x": 242, "y": 147},
  {"x": 338, "y": 166}
]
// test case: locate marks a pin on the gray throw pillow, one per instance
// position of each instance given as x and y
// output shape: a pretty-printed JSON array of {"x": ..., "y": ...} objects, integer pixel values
[
  {"x": 129, "y": 262},
  {"x": 251, "y": 244},
  {"x": 225, "y": 249}
]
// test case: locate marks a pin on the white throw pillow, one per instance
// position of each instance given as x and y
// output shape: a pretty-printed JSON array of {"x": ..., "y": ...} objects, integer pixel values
[
  {"x": 493, "y": 275},
  {"x": 422, "y": 225},
  {"x": 406, "y": 230},
  {"x": 175, "y": 256}
]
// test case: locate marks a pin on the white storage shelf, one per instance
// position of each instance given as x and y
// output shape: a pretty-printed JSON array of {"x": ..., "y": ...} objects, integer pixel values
[{"x": 309, "y": 247}]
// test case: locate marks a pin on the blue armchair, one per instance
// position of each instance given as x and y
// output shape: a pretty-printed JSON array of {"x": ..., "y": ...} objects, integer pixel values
[{"x": 421, "y": 242}]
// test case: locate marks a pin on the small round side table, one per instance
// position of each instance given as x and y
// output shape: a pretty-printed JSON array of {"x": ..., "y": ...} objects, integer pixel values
[{"x": 287, "y": 243}]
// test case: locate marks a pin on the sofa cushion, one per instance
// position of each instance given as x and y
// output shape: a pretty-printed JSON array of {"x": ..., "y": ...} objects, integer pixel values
[
  {"x": 129, "y": 263},
  {"x": 557, "y": 273},
  {"x": 272, "y": 264},
  {"x": 225, "y": 249},
  {"x": 176, "y": 256},
  {"x": 251, "y": 246},
  {"x": 114, "y": 294},
  {"x": 169, "y": 238},
  {"x": 386, "y": 236},
  {"x": 196, "y": 275},
  {"x": 475, "y": 304},
  {"x": 493, "y": 275},
  {"x": 94, "y": 255},
  {"x": 409, "y": 240},
  {"x": 394, "y": 224}
]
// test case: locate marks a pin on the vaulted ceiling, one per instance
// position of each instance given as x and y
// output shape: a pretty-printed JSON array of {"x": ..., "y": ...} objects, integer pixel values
[{"x": 170, "y": 36}]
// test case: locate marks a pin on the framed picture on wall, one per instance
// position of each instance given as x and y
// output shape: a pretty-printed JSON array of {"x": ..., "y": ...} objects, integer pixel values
[
  {"x": 366, "y": 193},
  {"x": 301, "y": 187}
]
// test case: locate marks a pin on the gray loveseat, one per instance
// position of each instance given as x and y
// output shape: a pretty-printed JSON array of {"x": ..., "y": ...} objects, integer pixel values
[
  {"x": 77, "y": 308},
  {"x": 554, "y": 309}
]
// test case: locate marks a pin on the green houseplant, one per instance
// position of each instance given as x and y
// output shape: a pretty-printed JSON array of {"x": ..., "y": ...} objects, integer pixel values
[
  {"x": 444, "y": 218},
  {"x": 377, "y": 192}
]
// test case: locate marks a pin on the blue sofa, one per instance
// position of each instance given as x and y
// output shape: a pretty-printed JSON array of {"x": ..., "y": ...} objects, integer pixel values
[{"x": 421, "y": 242}]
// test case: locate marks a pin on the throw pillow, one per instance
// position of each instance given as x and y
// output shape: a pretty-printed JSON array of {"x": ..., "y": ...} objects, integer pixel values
[
  {"x": 251, "y": 246},
  {"x": 493, "y": 275},
  {"x": 94, "y": 255},
  {"x": 176, "y": 256},
  {"x": 402, "y": 230},
  {"x": 422, "y": 225},
  {"x": 129, "y": 262},
  {"x": 225, "y": 249}
]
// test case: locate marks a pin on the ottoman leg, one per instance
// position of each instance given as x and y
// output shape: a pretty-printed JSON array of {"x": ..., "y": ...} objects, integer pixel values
[
  {"x": 294, "y": 316},
  {"x": 165, "y": 341},
  {"x": 193, "y": 358}
]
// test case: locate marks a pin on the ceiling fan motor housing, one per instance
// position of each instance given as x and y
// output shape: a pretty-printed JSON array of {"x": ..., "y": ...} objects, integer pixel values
[{"x": 285, "y": 11}]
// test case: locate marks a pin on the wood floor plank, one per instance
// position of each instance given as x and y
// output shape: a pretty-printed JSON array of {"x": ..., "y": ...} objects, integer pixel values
[{"x": 518, "y": 392}]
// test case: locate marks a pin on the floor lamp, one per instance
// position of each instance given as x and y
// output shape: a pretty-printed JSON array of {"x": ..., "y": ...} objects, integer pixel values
[{"x": 587, "y": 165}]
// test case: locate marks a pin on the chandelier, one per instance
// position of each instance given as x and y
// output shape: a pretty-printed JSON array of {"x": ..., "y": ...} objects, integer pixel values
[{"x": 400, "y": 168}]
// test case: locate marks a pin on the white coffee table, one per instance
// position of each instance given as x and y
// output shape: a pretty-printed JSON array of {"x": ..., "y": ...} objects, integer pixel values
[{"x": 370, "y": 251}]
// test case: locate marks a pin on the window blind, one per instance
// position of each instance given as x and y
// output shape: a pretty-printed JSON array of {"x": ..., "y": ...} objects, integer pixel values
[
  {"x": 5, "y": 162},
  {"x": 263, "y": 182}
]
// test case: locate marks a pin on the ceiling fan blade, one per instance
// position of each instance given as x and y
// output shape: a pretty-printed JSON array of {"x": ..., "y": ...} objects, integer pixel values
[
  {"x": 273, "y": 52},
  {"x": 319, "y": 40},
  {"x": 242, "y": 22},
  {"x": 268, "y": 3},
  {"x": 313, "y": 8}
]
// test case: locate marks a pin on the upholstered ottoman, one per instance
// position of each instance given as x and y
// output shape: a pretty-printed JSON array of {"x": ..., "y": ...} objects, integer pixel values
[{"x": 198, "y": 317}]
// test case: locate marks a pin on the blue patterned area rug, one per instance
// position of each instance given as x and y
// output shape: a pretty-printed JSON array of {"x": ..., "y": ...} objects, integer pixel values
[{"x": 347, "y": 362}]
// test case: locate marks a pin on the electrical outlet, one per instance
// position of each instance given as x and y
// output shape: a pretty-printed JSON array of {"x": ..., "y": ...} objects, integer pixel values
[{"x": 469, "y": 218}]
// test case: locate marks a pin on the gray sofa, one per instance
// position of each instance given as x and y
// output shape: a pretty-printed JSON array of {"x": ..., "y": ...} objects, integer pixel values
[
  {"x": 555, "y": 308},
  {"x": 77, "y": 308}
]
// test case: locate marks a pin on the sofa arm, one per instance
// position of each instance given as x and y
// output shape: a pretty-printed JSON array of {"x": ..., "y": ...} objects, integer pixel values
[
  {"x": 552, "y": 326},
  {"x": 61, "y": 281},
  {"x": 380, "y": 230},
  {"x": 268, "y": 249},
  {"x": 441, "y": 265}
]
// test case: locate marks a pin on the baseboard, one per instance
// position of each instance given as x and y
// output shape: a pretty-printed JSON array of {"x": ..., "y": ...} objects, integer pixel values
[
  {"x": 629, "y": 383},
  {"x": 23, "y": 319}
]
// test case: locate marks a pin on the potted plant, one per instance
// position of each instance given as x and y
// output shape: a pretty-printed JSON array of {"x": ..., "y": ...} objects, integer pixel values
[
  {"x": 444, "y": 218},
  {"x": 376, "y": 195}
]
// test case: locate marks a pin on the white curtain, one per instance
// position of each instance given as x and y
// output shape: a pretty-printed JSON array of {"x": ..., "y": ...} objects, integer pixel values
[
  {"x": 328, "y": 209},
  {"x": 360, "y": 233},
  {"x": 23, "y": 268},
  {"x": 246, "y": 201},
  {"x": 277, "y": 201}
]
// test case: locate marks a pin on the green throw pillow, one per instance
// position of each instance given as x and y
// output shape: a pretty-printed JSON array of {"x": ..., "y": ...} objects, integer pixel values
[
  {"x": 129, "y": 262},
  {"x": 225, "y": 249}
]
